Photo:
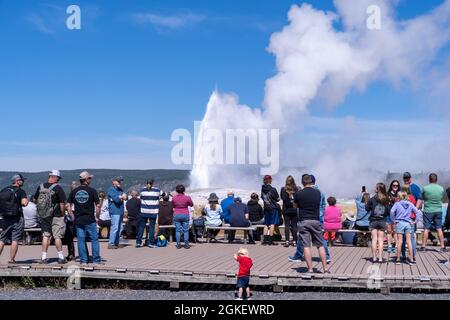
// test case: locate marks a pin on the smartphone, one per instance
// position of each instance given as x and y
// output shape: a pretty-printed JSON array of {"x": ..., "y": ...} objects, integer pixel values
[{"x": 364, "y": 189}]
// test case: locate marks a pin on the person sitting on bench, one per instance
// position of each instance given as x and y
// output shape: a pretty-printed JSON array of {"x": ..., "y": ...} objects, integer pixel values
[{"x": 239, "y": 218}]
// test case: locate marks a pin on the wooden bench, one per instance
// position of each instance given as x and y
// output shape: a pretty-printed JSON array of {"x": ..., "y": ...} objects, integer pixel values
[{"x": 229, "y": 228}]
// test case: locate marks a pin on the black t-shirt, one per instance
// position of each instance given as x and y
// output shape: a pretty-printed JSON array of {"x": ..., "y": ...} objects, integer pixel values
[
  {"x": 59, "y": 196},
  {"x": 84, "y": 198},
  {"x": 308, "y": 202},
  {"x": 134, "y": 208}
]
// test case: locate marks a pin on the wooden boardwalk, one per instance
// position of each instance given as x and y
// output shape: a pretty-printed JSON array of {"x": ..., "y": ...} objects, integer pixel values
[{"x": 214, "y": 264}]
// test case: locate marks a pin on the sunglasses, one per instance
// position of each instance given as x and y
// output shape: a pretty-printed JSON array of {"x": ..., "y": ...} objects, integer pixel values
[{"x": 396, "y": 185}]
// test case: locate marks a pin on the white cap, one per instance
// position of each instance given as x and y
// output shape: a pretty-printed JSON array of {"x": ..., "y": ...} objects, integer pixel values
[
  {"x": 55, "y": 173},
  {"x": 84, "y": 175}
]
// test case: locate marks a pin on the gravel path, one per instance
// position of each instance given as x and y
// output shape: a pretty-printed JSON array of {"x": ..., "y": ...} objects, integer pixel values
[{"x": 102, "y": 294}]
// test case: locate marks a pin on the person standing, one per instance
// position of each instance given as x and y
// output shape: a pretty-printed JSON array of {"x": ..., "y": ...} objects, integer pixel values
[
  {"x": 289, "y": 212},
  {"x": 310, "y": 229},
  {"x": 149, "y": 212},
  {"x": 243, "y": 276},
  {"x": 414, "y": 188},
  {"x": 181, "y": 204},
  {"x": 323, "y": 205},
  {"x": 133, "y": 215},
  {"x": 433, "y": 194},
  {"x": 70, "y": 229},
  {"x": 378, "y": 206},
  {"x": 86, "y": 203},
  {"x": 165, "y": 215},
  {"x": 393, "y": 190},
  {"x": 50, "y": 202},
  {"x": 116, "y": 199},
  {"x": 271, "y": 212},
  {"x": 401, "y": 215},
  {"x": 12, "y": 200}
]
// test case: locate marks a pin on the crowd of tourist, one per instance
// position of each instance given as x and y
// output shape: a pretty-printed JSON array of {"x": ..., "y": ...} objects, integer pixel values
[{"x": 309, "y": 218}]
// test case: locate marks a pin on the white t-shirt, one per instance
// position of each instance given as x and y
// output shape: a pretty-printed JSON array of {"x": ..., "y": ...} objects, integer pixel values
[{"x": 104, "y": 211}]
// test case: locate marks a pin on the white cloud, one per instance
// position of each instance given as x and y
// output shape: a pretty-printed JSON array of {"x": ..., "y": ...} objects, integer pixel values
[
  {"x": 172, "y": 22},
  {"x": 39, "y": 23},
  {"x": 314, "y": 58}
]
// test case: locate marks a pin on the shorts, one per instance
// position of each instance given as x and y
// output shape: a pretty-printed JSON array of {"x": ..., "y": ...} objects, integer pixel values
[
  {"x": 53, "y": 226},
  {"x": 12, "y": 229},
  {"x": 432, "y": 219},
  {"x": 310, "y": 231},
  {"x": 243, "y": 282},
  {"x": 271, "y": 217},
  {"x": 378, "y": 225},
  {"x": 388, "y": 220},
  {"x": 403, "y": 227}
]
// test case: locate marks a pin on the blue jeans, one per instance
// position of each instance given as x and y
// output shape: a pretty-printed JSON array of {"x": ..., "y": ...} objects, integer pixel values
[
  {"x": 151, "y": 231},
  {"x": 299, "y": 251},
  {"x": 91, "y": 231},
  {"x": 327, "y": 252},
  {"x": 413, "y": 242},
  {"x": 116, "y": 229},
  {"x": 181, "y": 221}
]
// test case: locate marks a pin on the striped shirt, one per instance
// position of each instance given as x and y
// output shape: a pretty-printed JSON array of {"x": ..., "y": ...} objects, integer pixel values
[{"x": 150, "y": 202}]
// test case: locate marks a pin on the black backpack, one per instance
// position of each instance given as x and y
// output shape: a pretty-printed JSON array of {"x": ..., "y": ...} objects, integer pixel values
[{"x": 8, "y": 203}]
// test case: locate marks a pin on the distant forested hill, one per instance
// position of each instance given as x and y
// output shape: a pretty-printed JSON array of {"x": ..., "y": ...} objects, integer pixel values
[{"x": 165, "y": 179}]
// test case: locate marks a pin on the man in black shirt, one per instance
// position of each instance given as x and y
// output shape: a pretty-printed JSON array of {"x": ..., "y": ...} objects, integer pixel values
[
  {"x": 310, "y": 229},
  {"x": 86, "y": 203},
  {"x": 54, "y": 224},
  {"x": 13, "y": 221},
  {"x": 133, "y": 213}
]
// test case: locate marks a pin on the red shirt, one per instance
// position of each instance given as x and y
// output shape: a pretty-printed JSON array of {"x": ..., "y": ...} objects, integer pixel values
[{"x": 245, "y": 264}]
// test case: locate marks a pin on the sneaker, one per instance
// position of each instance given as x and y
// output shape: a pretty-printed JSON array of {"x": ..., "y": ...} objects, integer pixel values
[
  {"x": 12, "y": 262},
  {"x": 251, "y": 242},
  {"x": 412, "y": 262},
  {"x": 112, "y": 246},
  {"x": 83, "y": 264},
  {"x": 421, "y": 249},
  {"x": 98, "y": 264},
  {"x": 70, "y": 258},
  {"x": 249, "y": 298},
  {"x": 287, "y": 244},
  {"x": 238, "y": 299},
  {"x": 293, "y": 244},
  {"x": 328, "y": 261},
  {"x": 179, "y": 246},
  {"x": 398, "y": 262},
  {"x": 138, "y": 245},
  {"x": 152, "y": 246},
  {"x": 443, "y": 250},
  {"x": 44, "y": 261},
  {"x": 295, "y": 259},
  {"x": 186, "y": 246},
  {"x": 62, "y": 261}
]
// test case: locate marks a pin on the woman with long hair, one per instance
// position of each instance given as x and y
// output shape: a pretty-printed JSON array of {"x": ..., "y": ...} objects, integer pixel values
[
  {"x": 378, "y": 206},
  {"x": 289, "y": 212},
  {"x": 393, "y": 190}
]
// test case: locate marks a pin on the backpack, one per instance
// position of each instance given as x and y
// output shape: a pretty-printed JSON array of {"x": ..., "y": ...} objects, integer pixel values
[
  {"x": 161, "y": 241},
  {"x": 45, "y": 208},
  {"x": 379, "y": 211},
  {"x": 8, "y": 203}
]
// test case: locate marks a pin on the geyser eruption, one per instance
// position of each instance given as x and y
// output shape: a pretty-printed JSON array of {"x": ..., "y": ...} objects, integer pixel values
[{"x": 317, "y": 59}]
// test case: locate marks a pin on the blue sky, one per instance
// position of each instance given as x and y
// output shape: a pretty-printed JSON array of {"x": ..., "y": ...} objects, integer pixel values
[{"x": 121, "y": 85}]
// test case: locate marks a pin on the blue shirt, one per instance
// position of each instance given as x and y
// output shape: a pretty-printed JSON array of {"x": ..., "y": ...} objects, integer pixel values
[
  {"x": 116, "y": 205},
  {"x": 225, "y": 204},
  {"x": 416, "y": 191}
]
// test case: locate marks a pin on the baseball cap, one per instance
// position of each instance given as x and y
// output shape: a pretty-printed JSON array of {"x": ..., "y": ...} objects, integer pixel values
[
  {"x": 267, "y": 177},
  {"x": 118, "y": 178},
  {"x": 16, "y": 177},
  {"x": 55, "y": 173},
  {"x": 150, "y": 181},
  {"x": 407, "y": 175},
  {"x": 84, "y": 175}
]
